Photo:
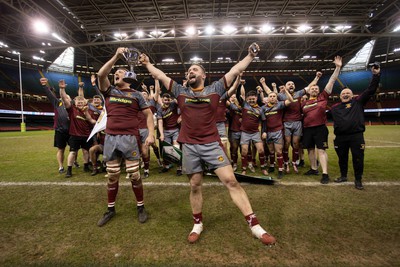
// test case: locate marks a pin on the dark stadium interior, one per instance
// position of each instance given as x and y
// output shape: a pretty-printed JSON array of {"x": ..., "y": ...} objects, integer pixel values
[{"x": 96, "y": 28}]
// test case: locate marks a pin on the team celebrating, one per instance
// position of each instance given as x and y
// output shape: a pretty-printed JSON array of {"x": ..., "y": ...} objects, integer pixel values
[{"x": 200, "y": 120}]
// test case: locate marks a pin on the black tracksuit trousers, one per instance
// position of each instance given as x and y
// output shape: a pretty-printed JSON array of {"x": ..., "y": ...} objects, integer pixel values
[{"x": 356, "y": 143}]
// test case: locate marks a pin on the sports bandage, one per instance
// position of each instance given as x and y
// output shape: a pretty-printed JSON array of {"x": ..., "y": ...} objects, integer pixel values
[
  {"x": 132, "y": 168},
  {"x": 113, "y": 171}
]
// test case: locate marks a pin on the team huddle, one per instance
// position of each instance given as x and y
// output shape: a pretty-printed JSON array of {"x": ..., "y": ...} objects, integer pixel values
[{"x": 193, "y": 117}]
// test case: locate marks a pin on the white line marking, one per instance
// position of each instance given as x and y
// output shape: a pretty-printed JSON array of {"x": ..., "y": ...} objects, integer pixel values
[
  {"x": 382, "y": 141},
  {"x": 286, "y": 183},
  {"x": 382, "y": 146}
]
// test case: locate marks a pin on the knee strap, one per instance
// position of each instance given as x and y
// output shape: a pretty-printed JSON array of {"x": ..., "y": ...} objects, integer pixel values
[
  {"x": 113, "y": 171},
  {"x": 132, "y": 169}
]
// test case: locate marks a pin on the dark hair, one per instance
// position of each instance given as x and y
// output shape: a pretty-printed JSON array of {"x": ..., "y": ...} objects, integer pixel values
[
  {"x": 97, "y": 96},
  {"x": 251, "y": 93},
  {"x": 166, "y": 95},
  {"x": 201, "y": 66}
]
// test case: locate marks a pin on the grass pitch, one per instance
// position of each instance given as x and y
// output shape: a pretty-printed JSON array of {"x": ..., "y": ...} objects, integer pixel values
[{"x": 49, "y": 220}]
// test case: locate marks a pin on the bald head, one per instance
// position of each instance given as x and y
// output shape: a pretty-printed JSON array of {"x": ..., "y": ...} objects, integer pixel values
[{"x": 346, "y": 95}]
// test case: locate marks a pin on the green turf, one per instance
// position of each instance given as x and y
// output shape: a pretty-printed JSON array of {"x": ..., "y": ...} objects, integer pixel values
[{"x": 55, "y": 225}]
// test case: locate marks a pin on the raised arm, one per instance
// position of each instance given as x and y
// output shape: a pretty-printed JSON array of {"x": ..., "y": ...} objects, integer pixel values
[
  {"x": 373, "y": 85},
  {"x": 151, "y": 93},
  {"x": 313, "y": 82},
  {"x": 267, "y": 90},
  {"x": 157, "y": 92},
  {"x": 274, "y": 88},
  {"x": 66, "y": 99},
  {"x": 49, "y": 93},
  {"x": 80, "y": 89},
  {"x": 335, "y": 74},
  {"x": 93, "y": 81},
  {"x": 234, "y": 86},
  {"x": 241, "y": 95},
  {"x": 102, "y": 75},
  {"x": 243, "y": 64},
  {"x": 155, "y": 72},
  {"x": 289, "y": 97},
  {"x": 260, "y": 92}
]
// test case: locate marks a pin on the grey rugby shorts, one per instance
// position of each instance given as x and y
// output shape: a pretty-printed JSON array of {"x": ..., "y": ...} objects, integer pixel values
[
  {"x": 197, "y": 155},
  {"x": 121, "y": 146}
]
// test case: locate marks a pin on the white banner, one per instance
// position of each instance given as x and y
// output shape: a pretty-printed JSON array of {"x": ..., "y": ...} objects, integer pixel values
[{"x": 100, "y": 124}]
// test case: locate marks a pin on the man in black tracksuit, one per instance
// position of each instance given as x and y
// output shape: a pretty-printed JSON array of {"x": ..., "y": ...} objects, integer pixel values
[
  {"x": 349, "y": 126},
  {"x": 61, "y": 123}
]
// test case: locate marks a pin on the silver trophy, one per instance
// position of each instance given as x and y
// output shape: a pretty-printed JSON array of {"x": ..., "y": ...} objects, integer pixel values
[{"x": 132, "y": 58}]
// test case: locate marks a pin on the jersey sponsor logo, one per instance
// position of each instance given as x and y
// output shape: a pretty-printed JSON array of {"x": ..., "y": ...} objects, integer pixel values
[
  {"x": 348, "y": 105},
  {"x": 271, "y": 113},
  {"x": 80, "y": 118},
  {"x": 167, "y": 115},
  {"x": 197, "y": 100},
  {"x": 250, "y": 112},
  {"x": 310, "y": 105},
  {"x": 114, "y": 99},
  {"x": 220, "y": 158},
  {"x": 134, "y": 153}
]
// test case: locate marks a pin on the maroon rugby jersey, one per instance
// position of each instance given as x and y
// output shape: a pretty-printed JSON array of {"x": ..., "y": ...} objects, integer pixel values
[
  {"x": 314, "y": 110},
  {"x": 236, "y": 117},
  {"x": 169, "y": 116},
  {"x": 220, "y": 116},
  {"x": 79, "y": 126},
  {"x": 198, "y": 112},
  {"x": 142, "y": 120},
  {"x": 293, "y": 110},
  {"x": 273, "y": 116},
  {"x": 123, "y": 107},
  {"x": 250, "y": 118}
]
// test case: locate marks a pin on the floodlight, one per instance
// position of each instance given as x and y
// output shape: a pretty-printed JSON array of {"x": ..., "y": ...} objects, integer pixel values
[
  {"x": 191, "y": 30},
  {"x": 168, "y": 60},
  {"x": 228, "y": 29},
  {"x": 266, "y": 28},
  {"x": 120, "y": 34},
  {"x": 196, "y": 59},
  {"x": 342, "y": 27},
  {"x": 156, "y": 33},
  {"x": 304, "y": 28},
  {"x": 41, "y": 27},
  {"x": 139, "y": 34},
  {"x": 248, "y": 29},
  {"x": 209, "y": 30}
]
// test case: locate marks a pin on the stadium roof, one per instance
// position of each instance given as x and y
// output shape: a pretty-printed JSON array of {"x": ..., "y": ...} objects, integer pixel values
[{"x": 295, "y": 36}]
